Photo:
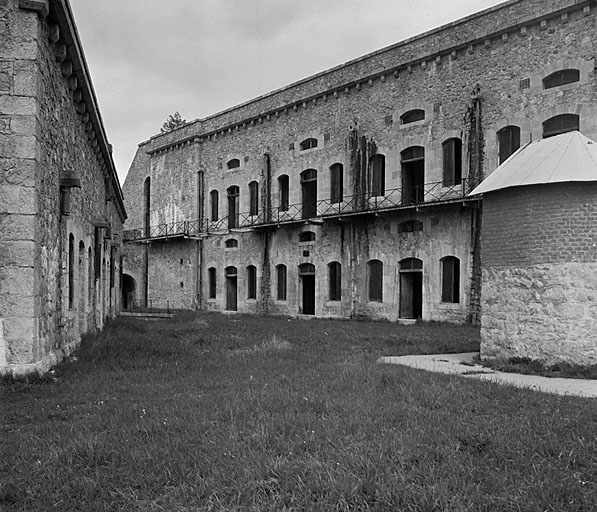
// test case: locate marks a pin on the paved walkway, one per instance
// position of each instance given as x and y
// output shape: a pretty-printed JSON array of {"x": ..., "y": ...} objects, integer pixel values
[{"x": 461, "y": 364}]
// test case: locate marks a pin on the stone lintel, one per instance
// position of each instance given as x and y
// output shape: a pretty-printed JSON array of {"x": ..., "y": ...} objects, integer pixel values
[{"x": 40, "y": 6}]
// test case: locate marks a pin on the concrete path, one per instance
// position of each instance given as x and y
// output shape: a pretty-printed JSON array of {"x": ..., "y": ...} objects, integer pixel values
[{"x": 461, "y": 364}]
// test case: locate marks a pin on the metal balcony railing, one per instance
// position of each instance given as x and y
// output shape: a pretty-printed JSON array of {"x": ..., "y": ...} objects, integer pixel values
[{"x": 396, "y": 198}]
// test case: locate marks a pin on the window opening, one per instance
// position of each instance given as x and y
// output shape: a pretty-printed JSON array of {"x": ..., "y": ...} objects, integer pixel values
[
  {"x": 411, "y": 288},
  {"x": 307, "y": 276},
  {"x": 450, "y": 279},
  {"x": 335, "y": 281},
  {"x": 410, "y": 226},
  {"x": 233, "y": 164},
  {"x": 412, "y": 116},
  {"x": 413, "y": 174},
  {"x": 231, "y": 288},
  {"x": 281, "y": 284},
  {"x": 71, "y": 271},
  {"x": 233, "y": 210},
  {"x": 251, "y": 282},
  {"x": 283, "y": 192},
  {"x": 452, "y": 162},
  {"x": 375, "y": 268},
  {"x": 377, "y": 166},
  {"x": 337, "y": 183},
  {"x": 561, "y": 77},
  {"x": 211, "y": 276},
  {"x": 253, "y": 198},
  {"x": 560, "y": 124},
  {"x": 309, "y": 191},
  {"x": 232, "y": 243},
  {"x": 307, "y": 236},
  {"x": 308, "y": 144},
  {"x": 508, "y": 142},
  {"x": 146, "y": 205},
  {"x": 214, "y": 200}
]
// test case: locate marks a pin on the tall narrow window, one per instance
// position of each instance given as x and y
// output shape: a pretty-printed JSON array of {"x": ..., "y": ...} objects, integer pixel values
[
  {"x": 71, "y": 271},
  {"x": 251, "y": 282},
  {"x": 211, "y": 278},
  {"x": 560, "y": 124},
  {"x": 413, "y": 175},
  {"x": 281, "y": 275},
  {"x": 146, "y": 206},
  {"x": 253, "y": 198},
  {"x": 213, "y": 200},
  {"x": 309, "y": 191},
  {"x": 375, "y": 271},
  {"x": 377, "y": 167},
  {"x": 450, "y": 279},
  {"x": 335, "y": 280},
  {"x": 452, "y": 162},
  {"x": 337, "y": 183},
  {"x": 561, "y": 77},
  {"x": 508, "y": 141},
  {"x": 283, "y": 192},
  {"x": 233, "y": 210}
]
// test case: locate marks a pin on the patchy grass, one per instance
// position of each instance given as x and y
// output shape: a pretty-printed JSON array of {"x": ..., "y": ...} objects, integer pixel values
[
  {"x": 235, "y": 413},
  {"x": 528, "y": 366}
]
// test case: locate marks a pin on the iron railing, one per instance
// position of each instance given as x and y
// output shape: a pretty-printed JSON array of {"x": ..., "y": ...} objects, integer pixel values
[{"x": 395, "y": 198}]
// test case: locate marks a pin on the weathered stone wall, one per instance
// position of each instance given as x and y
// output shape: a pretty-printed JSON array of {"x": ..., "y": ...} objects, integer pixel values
[
  {"x": 507, "y": 51},
  {"x": 50, "y": 290},
  {"x": 539, "y": 256}
]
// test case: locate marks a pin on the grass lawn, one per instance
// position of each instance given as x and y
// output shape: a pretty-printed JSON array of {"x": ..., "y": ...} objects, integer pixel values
[{"x": 221, "y": 413}]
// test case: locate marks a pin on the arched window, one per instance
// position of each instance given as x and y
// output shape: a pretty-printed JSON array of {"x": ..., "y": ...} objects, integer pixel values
[
  {"x": 211, "y": 278},
  {"x": 71, "y": 271},
  {"x": 336, "y": 183},
  {"x": 233, "y": 210},
  {"x": 561, "y": 77},
  {"x": 251, "y": 282},
  {"x": 377, "y": 166},
  {"x": 560, "y": 124},
  {"x": 308, "y": 144},
  {"x": 309, "y": 191},
  {"x": 413, "y": 174},
  {"x": 450, "y": 279},
  {"x": 307, "y": 236},
  {"x": 411, "y": 264},
  {"x": 283, "y": 192},
  {"x": 335, "y": 281},
  {"x": 213, "y": 203},
  {"x": 232, "y": 243},
  {"x": 146, "y": 205},
  {"x": 508, "y": 142},
  {"x": 412, "y": 116},
  {"x": 375, "y": 271},
  {"x": 253, "y": 198},
  {"x": 233, "y": 164},
  {"x": 281, "y": 282},
  {"x": 452, "y": 162},
  {"x": 410, "y": 226}
]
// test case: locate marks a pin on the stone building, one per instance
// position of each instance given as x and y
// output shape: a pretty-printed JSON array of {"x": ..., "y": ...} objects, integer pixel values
[
  {"x": 347, "y": 194},
  {"x": 61, "y": 206}
]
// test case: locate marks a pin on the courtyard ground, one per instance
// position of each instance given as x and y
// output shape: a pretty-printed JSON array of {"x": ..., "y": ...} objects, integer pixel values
[{"x": 215, "y": 412}]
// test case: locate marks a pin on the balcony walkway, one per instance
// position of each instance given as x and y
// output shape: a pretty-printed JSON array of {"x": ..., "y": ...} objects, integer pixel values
[{"x": 430, "y": 194}]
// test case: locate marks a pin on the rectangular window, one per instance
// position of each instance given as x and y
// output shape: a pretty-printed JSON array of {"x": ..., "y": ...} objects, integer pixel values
[
  {"x": 375, "y": 268},
  {"x": 335, "y": 281},
  {"x": 452, "y": 162},
  {"x": 378, "y": 175},
  {"x": 283, "y": 192},
  {"x": 451, "y": 280},
  {"x": 337, "y": 183},
  {"x": 251, "y": 282},
  {"x": 253, "y": 198},
  {"x": 211, "y": 275},
  {"x": 281, "y": 271}
]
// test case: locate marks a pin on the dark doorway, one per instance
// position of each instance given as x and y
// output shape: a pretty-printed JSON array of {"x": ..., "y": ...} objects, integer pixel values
[
  {"x": 411, "y": 288},
  {"x": 129, "y": 288},
  {"x": 309, "y": 190},
  {"x": 413, "y": 175},
  {"x": 307, "y": 275},
  {"x": 233, "y": 211},
  {"x": 231, "y": 289}
]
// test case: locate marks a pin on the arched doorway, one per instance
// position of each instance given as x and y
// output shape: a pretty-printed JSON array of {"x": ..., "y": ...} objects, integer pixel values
[
  {"x": 413, "y": 174},
  {"x": 231, "y": 288},
  {"x": 411, "y": 288},
  {"x": 309, "y": 191},
  {"x": 307, "y": 275},
  {"x": 129, "y": 291}
]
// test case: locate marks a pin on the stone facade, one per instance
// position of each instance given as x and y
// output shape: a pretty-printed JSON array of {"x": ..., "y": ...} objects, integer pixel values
[
  {"x": 539, "y": 256},
  {"x": 61, "y": 207},
  {"x": 471, "y": 79}
]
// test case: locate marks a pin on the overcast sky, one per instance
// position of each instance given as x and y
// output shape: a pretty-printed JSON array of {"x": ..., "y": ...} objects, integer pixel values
[{"x": 151, "y": 58}]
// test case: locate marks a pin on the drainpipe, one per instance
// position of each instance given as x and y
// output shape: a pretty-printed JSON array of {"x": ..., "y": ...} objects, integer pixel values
[{"x": 199, "y": 243}]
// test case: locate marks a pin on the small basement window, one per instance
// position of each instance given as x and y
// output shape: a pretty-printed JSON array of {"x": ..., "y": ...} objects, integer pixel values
[
  {"x": 232, "y": 243},
  {"x": 561, "y": 77},
  {"x": 412, "y": 116},
  {"x": 308, "y": 144},
  {"x": 307, "y": 236}
]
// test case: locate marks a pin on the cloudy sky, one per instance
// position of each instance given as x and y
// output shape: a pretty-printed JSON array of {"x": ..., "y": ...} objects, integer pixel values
[{"x": 151, "y": 58}]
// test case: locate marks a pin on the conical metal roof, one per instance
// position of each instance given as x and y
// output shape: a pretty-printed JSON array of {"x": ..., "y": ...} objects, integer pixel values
[{"x": 564, "y": 158}]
